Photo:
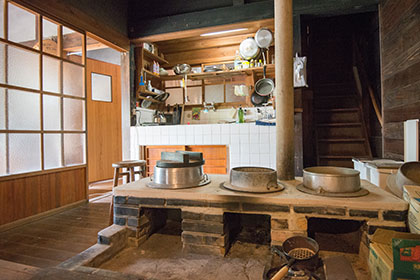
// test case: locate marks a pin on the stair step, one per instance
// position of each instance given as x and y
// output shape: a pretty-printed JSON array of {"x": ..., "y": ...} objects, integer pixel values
[
  {"x": 335, "y": 157},
  {"x": 335, "y": 140},
  {"x": 339, "y": 124},
  {"x": 335, "y": 96},
  {"x": 337, "y": 110}
]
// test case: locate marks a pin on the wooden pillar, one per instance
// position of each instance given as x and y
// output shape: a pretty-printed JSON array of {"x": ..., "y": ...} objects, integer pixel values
[{"x": 283, "y": 34}]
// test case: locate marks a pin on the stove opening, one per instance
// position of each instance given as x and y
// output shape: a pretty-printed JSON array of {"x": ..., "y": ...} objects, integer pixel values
[
  {"x": 164, "y": 221},
  {"x": 336, "y": 235},
  {"x": 249, "y": 228}
]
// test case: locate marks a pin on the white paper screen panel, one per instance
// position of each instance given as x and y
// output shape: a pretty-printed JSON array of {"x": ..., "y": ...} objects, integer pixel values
[{"x": 101, "y": 87}]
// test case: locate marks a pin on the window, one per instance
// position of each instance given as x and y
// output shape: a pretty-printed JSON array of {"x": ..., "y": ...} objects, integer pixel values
[{"x": 42, "y": 93}]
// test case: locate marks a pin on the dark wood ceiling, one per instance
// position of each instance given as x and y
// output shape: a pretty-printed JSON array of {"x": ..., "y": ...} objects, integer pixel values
[{"x": 151, "y": 17}]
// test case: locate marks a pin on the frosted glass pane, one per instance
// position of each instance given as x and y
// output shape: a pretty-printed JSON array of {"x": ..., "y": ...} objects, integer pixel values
[
  {"x": 2, "y": 154},
  {"x": 24, "y": 152},
  {"x": 49, "y": 34},
  {"x": 214, "y": 93},
  {"x": 52, "y": 151},
  {"x": 194, "y": 95},
  {"x": 72, "y": 45},
  {"x": 175, "y": 96},
  {"x": 2, "y": 63},
  {"x": 73, "y": 79},
  {"x": 51, "y": 109},
  {"x": 74, "y": 114},
  {"x": 1, "y": 18},
  {"x": 2, "y": 109},
  {"x": 74, "y": 149},
  {"x": 23, "y": 110},
  {"x": 230, "y": 95},
  {"x": 101, "y": 87},
  {"x": 51, "y": 74},
  {"x": 22, "y": 26},
  {"x": 23, "y": 68}
]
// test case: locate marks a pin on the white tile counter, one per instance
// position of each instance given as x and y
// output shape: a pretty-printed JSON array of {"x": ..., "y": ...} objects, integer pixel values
[{"x": 249, "y": 144}]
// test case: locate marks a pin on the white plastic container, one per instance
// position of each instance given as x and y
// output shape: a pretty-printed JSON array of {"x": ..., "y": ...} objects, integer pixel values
[
  {"x": 412, "y": 196},
  {"x": 379, "y": 170},
  {"x": 359, "y": 165}
]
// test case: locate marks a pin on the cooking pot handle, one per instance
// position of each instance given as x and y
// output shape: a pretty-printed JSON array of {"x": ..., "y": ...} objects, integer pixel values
[
  {"x": 205, "y": 177},
  {"x": 264, "y": 70}
]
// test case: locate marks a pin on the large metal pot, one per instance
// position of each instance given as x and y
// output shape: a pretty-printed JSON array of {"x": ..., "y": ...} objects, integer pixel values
[
  {"x": 407, "y": 174},
  {"x": 253, "y": 179},
  {"x": 331, "y": 179},
  {"x": 178, "y": 177}
]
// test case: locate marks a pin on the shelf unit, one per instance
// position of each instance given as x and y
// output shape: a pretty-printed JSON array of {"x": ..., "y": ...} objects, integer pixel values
[
  {"x": 220, "y": 74},
  {"x": 145, "y": 58}
]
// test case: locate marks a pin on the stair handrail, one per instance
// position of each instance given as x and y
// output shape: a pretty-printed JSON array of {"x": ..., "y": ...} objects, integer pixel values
[{"x": 362, "y": 71}]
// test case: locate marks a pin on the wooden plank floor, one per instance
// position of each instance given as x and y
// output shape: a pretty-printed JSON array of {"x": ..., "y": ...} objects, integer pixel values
[{"x": 54, "y": 239}]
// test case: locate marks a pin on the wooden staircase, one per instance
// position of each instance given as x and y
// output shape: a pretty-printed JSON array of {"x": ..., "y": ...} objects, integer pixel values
[{"x": 340, "y": 131}]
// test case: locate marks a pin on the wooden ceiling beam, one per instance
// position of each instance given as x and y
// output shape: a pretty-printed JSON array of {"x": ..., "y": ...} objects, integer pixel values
[{"x": 193, "y": 34}]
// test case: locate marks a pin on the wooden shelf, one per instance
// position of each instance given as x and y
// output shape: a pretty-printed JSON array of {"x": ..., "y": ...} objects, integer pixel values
[
  {"x": 154, "y": 57},
  {"x": 153, "y": 75},
  {"x": 148, "y": 92},
  {"x": 219, "y": 74},
  {"x": 151, "y": 99}
]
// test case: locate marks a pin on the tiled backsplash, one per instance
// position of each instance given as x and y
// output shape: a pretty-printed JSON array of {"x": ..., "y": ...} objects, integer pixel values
[{"x": 249, "y": 144}]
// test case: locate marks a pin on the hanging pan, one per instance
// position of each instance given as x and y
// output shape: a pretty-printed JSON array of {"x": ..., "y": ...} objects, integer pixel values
[
  {"x": 264, "y": 86},
  {"x": 258, "y": 100}
]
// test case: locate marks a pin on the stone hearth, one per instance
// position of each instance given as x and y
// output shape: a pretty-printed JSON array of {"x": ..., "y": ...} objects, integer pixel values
[{"x": 206, "y": 228}]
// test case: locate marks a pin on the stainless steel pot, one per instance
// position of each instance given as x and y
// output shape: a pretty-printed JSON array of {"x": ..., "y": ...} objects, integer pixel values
[
  {"x": 178, "y": 177},
  {"x": 331, "y": 179},
  {"x": 253, "y": 179}
]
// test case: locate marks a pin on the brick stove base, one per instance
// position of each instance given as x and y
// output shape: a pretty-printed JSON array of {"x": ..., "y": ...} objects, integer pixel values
[{"x": 205, "y": 228}]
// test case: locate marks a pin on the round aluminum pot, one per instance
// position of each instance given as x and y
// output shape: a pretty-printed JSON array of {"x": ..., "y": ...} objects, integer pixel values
[
  {"x": 248, "y": 49},
  {"x": 331, "y": 179},
  {"x": 407, "y": 174},
  {"x": 253, "y": 179},
  {"x": 178, "y": 177}
]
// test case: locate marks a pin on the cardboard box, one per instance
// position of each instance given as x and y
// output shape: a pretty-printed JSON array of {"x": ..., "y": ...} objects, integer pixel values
[
  {"x": 411, "y": 194},
  {"x": 381, "y": 256}
]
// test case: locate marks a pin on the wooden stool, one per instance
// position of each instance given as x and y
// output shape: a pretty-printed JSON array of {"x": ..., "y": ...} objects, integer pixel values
[{"x": 130, "y": 172}]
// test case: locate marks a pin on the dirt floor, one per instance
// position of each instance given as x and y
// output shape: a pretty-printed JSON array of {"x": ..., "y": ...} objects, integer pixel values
[{"x": 161, "y": 257}]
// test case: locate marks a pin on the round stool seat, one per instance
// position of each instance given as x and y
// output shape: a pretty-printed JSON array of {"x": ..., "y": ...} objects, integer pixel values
[{"x": 128, "y": 163}]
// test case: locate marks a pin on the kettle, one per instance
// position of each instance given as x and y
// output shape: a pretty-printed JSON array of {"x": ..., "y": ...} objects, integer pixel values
[{"x": 159, "y": 117}]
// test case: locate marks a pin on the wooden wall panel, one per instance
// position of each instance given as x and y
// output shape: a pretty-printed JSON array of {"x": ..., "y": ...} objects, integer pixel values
[
  {"x": 27, "y": 196},
  {"x": 400, "y": 68}
]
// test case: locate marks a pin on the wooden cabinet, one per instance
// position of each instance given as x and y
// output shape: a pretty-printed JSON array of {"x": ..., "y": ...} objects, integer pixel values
[{"x": 215, "y": 156}]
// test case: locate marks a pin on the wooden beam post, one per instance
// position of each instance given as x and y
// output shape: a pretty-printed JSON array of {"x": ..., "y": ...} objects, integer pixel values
[{"x": 283, "y": 34}]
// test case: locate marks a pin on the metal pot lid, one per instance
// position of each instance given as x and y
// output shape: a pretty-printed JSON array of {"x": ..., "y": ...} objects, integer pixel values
[
  {"x": 249, "y": 48},
  {"x": 264, "y": 37},
  {"x": 361, "y": 192},
  {"x": 178, "y": 164},
  {"x": 229, "y": 186},
  {"x": 206, "y": 180}
]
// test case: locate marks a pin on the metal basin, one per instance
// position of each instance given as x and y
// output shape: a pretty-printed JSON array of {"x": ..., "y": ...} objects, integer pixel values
[
  {"x": 253, "y": 179},
  {"x": 331, "y": 179},
  {"x": 178, "y": 177}
]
